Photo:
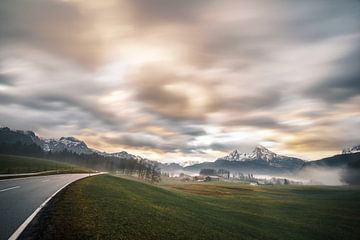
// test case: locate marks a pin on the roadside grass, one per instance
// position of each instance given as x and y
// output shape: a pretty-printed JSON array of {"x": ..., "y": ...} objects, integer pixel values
[
  {"x": 11, "y": 164},
  {"x": 108, "y": 207}
]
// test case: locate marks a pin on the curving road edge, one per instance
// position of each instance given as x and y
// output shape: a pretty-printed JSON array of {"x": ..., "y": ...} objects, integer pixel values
[{"x": 22, "y": 227}]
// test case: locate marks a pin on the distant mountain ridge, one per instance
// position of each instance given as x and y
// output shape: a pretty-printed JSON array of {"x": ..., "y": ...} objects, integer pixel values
[
  {"x": 260, "y": 160},
  {"x": 65, "y": 143},
  {"x": 348, "y": 161},
  {"x": 261, "y": 153},
  {"x": 70, "y": 144},
  {"x": 355, "y": 149},
  {"x": 349, "y": 157}
]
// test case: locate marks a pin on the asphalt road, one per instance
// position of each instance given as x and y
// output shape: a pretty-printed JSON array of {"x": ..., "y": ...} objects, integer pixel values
[{"x": 19, "y": 198}]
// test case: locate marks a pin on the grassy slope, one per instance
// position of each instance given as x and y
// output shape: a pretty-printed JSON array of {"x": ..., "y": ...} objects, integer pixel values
[
  {"x": 20, "y": 164},
  {"x": 106, "y": 207}
]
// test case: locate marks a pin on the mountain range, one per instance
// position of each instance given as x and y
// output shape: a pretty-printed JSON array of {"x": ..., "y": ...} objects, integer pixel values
[
  {"x": 70, "y": 144},
  {"x": 261, "y": 160}
]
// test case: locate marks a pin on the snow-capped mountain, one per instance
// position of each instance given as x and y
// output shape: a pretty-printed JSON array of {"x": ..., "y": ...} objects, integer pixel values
[
  {"x": 350, "y": 150},
  {"x": 259, "y": 160},
  {"x": 188, "y": 163},
  {"x": 259, "y": 153},
  {"x": 71, "y": 144},
  {"x": 122, "y": 155}
]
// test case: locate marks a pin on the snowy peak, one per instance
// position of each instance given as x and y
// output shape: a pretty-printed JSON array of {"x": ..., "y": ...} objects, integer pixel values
[
  {"x": 71, "y": 139},
  {"x": 354, "y": 149},
  {"x": 263, "y": 157},
  {"x": 263, "y": 153},
  {"x": 234, "y": 155},
  {"x": 73, "y": 142},
  {"x": 70, "y": 144},
  {"x": 188, "y": 163},
  {"x": 125, "y": 155},
  {"x": 259, "y": 153}
]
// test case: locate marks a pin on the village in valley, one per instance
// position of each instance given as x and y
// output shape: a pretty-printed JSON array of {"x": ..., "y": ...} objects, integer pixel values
[{"x": 223, "y": 175}]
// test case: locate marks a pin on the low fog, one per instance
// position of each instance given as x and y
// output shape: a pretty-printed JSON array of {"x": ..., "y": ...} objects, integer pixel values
[{"x": 322, "y": 176}]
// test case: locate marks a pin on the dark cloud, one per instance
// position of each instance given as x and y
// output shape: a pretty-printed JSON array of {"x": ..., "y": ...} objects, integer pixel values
[
  {"x": 172, "y": 95},
  {"x": 149, "y": 142},
  {"x": 151, "y": 89},
  {"x": 342, "y": 82},
  {"x": 6, "y": 98},
  {"x": 58, "y": 27},
  {"x": 266, "y": 99},
  {"x": 135, "y": 141},
  {"x": 255, "y": 39},
  {"x": 145, "y": 141},
  {"x": 86, "y": 105},
  {"x": 150, "y": 12},
  {"x": 6, "y": 79},
  {"x": 314, "y": 21},
  {"x": 51, "y": 103},
  {"x": 193, "y": 131},
  {"x": 260, "y": 121}
]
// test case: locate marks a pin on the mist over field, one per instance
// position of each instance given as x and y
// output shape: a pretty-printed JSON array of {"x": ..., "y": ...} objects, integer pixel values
[{"x": 323, "y": 176}]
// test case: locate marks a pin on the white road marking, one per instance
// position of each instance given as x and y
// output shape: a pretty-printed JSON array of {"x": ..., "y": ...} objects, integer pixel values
[
  {"x": 20, "y": 229},
  {"x": 7, "y": 189},
  {"x": 45, "y": 180}
]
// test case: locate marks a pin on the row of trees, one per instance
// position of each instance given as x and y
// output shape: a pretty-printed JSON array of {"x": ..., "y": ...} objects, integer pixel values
[
  {"x": 144, "y": 169},
  {"x": 213, "y": 172}
]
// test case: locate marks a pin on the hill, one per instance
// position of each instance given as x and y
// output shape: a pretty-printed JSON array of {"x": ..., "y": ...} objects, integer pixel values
[{"x": 10, "y": 164}]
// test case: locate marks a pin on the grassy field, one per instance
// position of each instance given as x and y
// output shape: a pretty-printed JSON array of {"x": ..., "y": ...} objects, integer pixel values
[
  {"x": 107, "y": 207},
  {"x": 20, "y": 164}
]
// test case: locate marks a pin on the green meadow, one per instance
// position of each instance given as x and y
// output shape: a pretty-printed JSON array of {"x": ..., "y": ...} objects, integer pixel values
[
  {"x": 109, "y": 207},
  {"x": 11, "y": 164}
]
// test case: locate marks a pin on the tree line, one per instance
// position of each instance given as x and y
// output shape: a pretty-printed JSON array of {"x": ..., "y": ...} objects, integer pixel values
[
  {"x": 213, "y": 172},
  {"x": 144, "y": 169}
]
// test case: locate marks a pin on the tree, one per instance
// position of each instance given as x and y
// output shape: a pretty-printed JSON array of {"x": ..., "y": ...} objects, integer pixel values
[{"x": 207, "y": 171}]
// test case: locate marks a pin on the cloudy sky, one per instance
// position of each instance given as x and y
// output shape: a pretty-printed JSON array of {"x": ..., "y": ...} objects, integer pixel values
[{"x": 184, "y": 80}]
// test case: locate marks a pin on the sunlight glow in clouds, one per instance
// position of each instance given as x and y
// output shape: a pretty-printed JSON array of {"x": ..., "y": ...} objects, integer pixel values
[{"x": 184, "y": 80}]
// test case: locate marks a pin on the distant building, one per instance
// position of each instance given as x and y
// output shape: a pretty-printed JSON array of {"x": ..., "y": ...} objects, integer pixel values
[
  {"x": 185, "y": 177},
  {"x": 199, "y": 178},
  {"x": 212, "y": 178}
]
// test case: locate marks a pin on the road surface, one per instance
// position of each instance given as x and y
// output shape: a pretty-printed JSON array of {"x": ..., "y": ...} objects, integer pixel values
[{"x": 19, "y": 198}]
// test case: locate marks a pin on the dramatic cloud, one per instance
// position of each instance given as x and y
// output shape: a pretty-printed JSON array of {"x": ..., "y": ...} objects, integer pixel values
[
  {"x": 56, "y": 27},
  {"x": 173, "y": 95},
  {"x": 5, "y": 79},
  {"x": 175, "y": 80},
  {"x": 343, "y": 80}
]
